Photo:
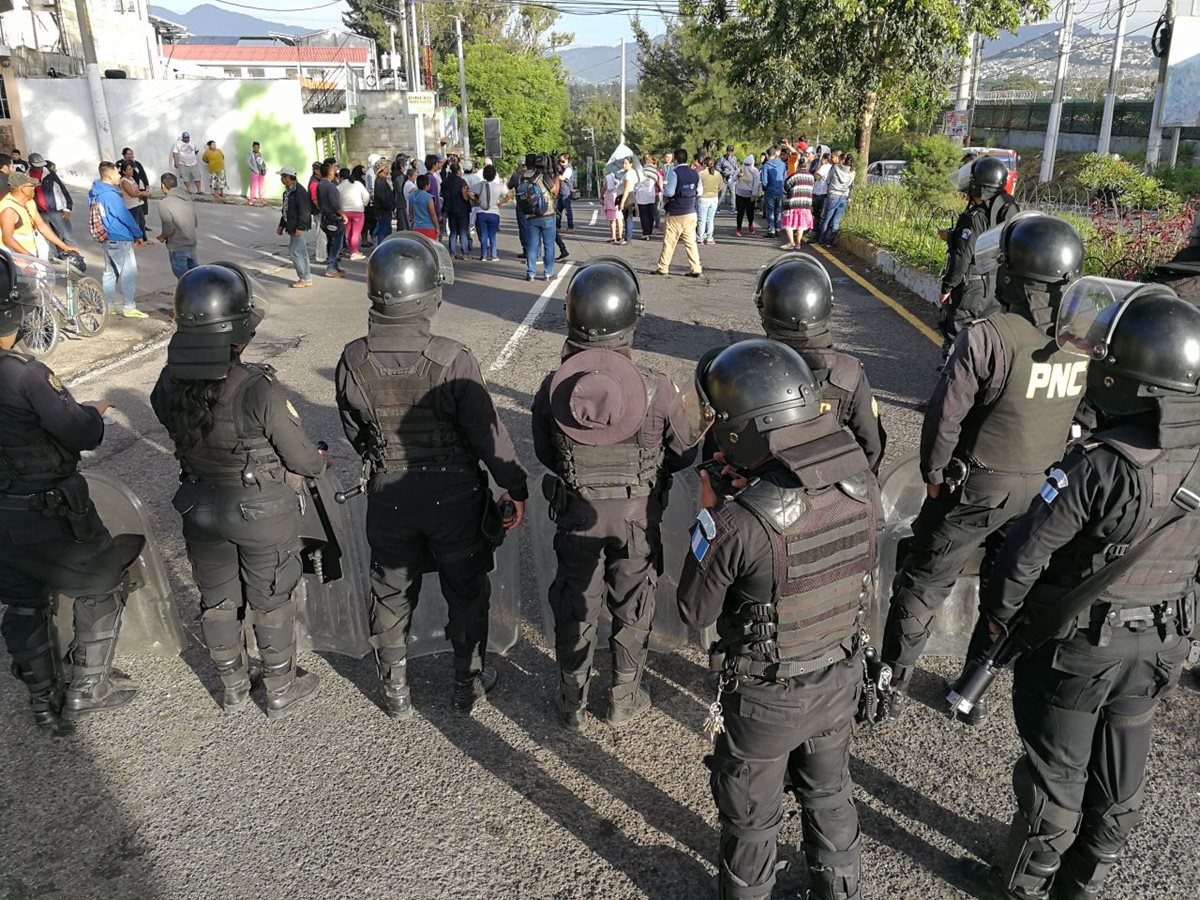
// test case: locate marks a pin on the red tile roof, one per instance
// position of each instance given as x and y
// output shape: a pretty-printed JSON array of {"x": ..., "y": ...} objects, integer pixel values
[{"x": 277, "y": 55}]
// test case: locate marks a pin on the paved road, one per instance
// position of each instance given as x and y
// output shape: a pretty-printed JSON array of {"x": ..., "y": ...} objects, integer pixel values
[{"x": 172, "y": 799}]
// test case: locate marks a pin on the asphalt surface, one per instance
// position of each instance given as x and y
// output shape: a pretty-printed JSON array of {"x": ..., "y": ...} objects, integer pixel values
[{"x": 173, "y": 799}]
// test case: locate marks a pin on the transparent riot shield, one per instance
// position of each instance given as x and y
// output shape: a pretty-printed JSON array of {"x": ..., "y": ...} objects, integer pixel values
[
  {"x": 150, "y": 625},
  {"x": 428, "y": 633},
  {"x": 668, "y": 632},
  {"x": 334, "y": 595},
  {"x": 903, "y": 492}
]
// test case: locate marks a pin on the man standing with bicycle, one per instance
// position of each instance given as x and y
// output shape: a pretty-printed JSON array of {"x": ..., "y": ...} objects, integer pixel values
[{"x": 20, "y": 222}]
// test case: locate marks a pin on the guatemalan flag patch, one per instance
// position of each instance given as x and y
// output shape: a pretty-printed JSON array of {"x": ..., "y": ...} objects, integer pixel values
[
  {"x": 703, "y": 532},
  {"x": 1055, "y": 482}
]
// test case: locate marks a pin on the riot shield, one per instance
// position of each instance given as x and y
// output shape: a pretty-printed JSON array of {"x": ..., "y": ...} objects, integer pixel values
[
  {"x": 668, "y": 632},
  {"x": 333, "y": 598},
  {"x": 428, "y": 633},
  {"x": 150, "y": 625},
  {"x": 903, "y": 492}
]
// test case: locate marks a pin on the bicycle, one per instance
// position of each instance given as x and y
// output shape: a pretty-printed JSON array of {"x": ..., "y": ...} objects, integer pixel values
[{"x": 49, "y": 319}]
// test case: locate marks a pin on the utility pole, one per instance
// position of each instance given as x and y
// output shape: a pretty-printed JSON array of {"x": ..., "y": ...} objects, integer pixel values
[
  {"x": 976, "y": 70},
  {"x": 1154, "y": 141},
  {"x": 104, "y": 136},
  {"x": 417, "y": 83},
  {"x": 428, "y": 55},
  {"x": 401, "y": 13},
  {"x": 1114, "y": 82},
  {"x": 622, "y": 90},
  {"x": 392, "y": 59},
  {"x": 462, "y": 88},
  {"x": 964, "y": 79},
  {"x": 1065, "y": 38}
]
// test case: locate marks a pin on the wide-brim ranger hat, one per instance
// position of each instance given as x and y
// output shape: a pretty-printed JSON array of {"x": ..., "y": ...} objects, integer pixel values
[{"x": 598, "y": 398}]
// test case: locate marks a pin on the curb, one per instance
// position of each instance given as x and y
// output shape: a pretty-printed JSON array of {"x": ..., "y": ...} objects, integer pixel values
[{"x": 919, "y": 282}]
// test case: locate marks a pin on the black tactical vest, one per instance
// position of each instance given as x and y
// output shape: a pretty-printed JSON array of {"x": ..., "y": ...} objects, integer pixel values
[
  {"x": 632, "y": 468},
  {"x": 412, "y": 429},
  {"x": 1026, "y": 428},
  {"x": 35, "y": 466},
  {"x": 1167, "y": 570},
  {"x": 823, "y": 553},
  {"x": 230, "y": 455},
  {"x": 838, "y": 375}
]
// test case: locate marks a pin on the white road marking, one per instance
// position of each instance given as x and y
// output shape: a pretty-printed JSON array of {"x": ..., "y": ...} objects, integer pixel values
[
  {"x": 527, "y": 323},
  {"x": 137, "y": 353},
  {"x": 595, "y": 214}
]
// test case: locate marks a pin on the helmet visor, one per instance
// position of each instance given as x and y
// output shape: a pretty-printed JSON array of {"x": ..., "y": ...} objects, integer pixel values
[
  {"x": 988, "y": 245},
  {"x": 1088, "y": 311},
  {"x": 441, "y": 251},
  {"x": 961, "y": 179}
]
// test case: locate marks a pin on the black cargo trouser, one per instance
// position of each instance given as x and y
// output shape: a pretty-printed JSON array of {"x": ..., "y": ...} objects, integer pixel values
[
  {"x": 244, "y": 547},
  {"x": 947, "y": 532},
  {"x": 423, "y": 523},
  {"x": 968, "y": 302},
  {"x": 1085, "y": 715},
  {"x": 799, "y": 730},
  {"x": 41, "y": 554},
  {"x": 609, "y": 553}
]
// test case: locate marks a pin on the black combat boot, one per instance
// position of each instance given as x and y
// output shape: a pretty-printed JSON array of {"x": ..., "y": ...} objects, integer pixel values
[
  {"x": 571, "y": 703},
  {"x": 1083, "y": 873},
  {"x": 287, "y": 684},
  {"x": 393, "y": 688},
  {"x": 472, "y": 683},
  {"x": 628, "y": 699},
  {"x": 92, "y": 689},
  {"x": 45, "y": 698},
  {"x": 234, "y": 672}
]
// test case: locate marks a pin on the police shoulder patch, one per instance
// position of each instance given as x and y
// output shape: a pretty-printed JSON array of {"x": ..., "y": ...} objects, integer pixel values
[
  {"x": 292, "y": 410},
  {"x": 875, "y": 407},
  {"x": 966, "y": 234},
  {"x": 700, "y": 542},
  {"x": 1055, "y": 482},
  {"x": 55, "y": 383}
]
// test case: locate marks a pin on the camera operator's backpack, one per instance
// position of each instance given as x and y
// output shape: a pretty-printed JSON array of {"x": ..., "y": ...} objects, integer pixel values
[
  {"x": 533, "y": 200},
  {"x": 96, "y": 222}
]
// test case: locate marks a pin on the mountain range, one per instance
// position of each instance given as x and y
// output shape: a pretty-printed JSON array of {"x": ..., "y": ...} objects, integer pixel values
[{"x": 207, "y": 20}]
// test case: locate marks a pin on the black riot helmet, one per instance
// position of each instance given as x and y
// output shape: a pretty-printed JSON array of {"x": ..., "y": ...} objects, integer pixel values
[
  {"x": 989, "y": 175},
  {"x": 1143, "y": 342},
  {"x": 216, "y": 307},
  {"x": 11, "y": 305},
  {"x": 753, "y": 388},
  {"x": 603, "y": 303},
  {"x": 1035, "y": 258},
  {"x": 794, "y": 298},
  {"x": 405, "y": 274}
]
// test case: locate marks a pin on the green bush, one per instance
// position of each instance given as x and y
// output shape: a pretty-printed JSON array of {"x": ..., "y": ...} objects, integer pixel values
[
  {"x": 1117, "y": 181},
  {"x": 893, "y": 219},
  {"x": 1183, "y": 180},
  {"x": 931, "y": 161}
]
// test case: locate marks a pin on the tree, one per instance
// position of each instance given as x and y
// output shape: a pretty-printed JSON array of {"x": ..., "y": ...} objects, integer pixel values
[
  {"x": 525, "y": 91},
  {"x": 869, "y": 59},
  {"x": 522, "y": 29}
]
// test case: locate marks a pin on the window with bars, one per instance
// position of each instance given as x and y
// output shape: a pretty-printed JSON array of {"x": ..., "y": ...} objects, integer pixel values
[
  {"x": 4, "y": 113},
  {"x": 256, "y": 73}
]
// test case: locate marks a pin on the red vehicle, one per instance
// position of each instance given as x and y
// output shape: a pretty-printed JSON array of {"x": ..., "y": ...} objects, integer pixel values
[{"x": 1011, "y": 159}]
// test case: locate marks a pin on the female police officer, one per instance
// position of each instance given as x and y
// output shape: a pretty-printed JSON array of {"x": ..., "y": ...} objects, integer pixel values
[{"x": 236, "y": 437}]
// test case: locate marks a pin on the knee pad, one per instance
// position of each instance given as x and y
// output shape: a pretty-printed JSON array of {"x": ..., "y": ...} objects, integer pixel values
[
  {"x": 1041, "y": 833},
  {"x": 835, "y": 874}
]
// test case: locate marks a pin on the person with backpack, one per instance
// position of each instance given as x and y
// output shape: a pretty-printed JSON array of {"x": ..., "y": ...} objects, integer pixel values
[
  {"x": 537, "y": 194},
  {"x": 113, "y": 226}
]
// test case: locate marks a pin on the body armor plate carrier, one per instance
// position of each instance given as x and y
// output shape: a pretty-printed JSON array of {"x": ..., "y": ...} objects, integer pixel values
[
  {"x": 823, "y": 552},
  {"x": 230, "y": 455},
  {"x": 37, "y": 466},
  {"x": 631, "y": 468},
  {"x": 411, "y": 429}
]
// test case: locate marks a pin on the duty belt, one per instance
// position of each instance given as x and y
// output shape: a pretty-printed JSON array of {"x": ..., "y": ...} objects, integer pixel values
[
  {"x": 780, "y": 671},
  {"x": 40, "y": 500},
  {"x": 1102, "y": 618}
]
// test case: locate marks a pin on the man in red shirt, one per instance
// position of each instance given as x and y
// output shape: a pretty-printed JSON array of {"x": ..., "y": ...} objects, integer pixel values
[{"x": 314, "y": 233}]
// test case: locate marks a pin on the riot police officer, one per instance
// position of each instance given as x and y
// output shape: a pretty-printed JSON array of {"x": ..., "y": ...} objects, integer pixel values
[
  {"x": 999, "y": 416},
  {"x": 795, "y": 302},
  {"x": 611, "y": 432},
  {"x": 416, "y": 408},
  {"x": 237, "y": 437},
  {"x": 967, "y": 293},
  {"x": 783, "y": 567},
  {"x": 51, "y": 538},
  {"x": 1085, "y": 701}
]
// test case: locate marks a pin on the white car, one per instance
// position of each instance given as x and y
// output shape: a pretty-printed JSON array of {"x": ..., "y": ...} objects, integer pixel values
[{"x": 885, "y": 171}]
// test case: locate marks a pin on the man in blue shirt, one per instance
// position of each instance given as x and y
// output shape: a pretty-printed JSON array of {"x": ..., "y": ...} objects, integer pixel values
[
  {"x": 774, "y": 175},
  {"x": 120, "y": 263},
  {"x": 683, "y": 186}
]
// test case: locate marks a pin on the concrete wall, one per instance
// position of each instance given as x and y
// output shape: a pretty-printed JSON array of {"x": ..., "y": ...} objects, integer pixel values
[
  {"x": 1084, "y": 143},
  {"x": 385, "y": 128},
  {"x": 149, "y": 116}
]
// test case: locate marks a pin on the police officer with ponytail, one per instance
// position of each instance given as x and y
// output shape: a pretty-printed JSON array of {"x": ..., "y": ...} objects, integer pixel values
[
  {"x": 51, "y": 538},
  {"x": 237, "y": 437},
  {"x": 782, "y": 565},
  {"x": 1127, "y": 497}
]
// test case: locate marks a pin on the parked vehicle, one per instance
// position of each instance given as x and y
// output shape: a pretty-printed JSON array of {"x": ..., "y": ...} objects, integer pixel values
[
  {"x": 885, "y": 171},
  {"x": 1011, "y": 159}
]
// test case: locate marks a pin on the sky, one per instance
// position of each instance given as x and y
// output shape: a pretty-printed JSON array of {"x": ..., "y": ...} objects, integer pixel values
[{"x": 608, "y": 28}]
